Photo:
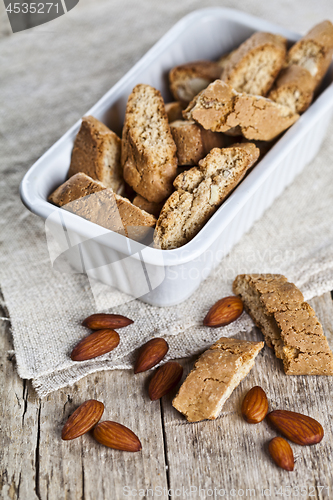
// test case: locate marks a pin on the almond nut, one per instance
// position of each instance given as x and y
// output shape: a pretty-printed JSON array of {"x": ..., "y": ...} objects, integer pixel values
[
  {"x": 116, "y": 436},
  {"x": 255, "y": 405},
  {"x": 299, "y": 428},
  {"x": 282, "y": 454},
  {"x": 106, "y": 321},
  {"x": 225, "y": 311},
  {"x": 164, "y": 379},
  {"x": 150, "y": 354},
  {"x": 95, "y": 344},
  {"x": 83, "y": 419}
]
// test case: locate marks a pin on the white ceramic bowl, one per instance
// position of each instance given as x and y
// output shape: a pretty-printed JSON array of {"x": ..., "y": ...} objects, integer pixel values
[{"x": 168, "y": 277}]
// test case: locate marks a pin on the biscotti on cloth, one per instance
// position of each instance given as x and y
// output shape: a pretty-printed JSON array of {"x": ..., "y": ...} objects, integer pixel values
[
  {"x": 288, "y": 324},
  {"x": 200, "y": 192},
  {"x": 148, "y": 150},
  {"x": 221, "y": 109},
  {"x": 253, "y": 67},
  {"x": 97, "y": 152},
  {"x": 217, "y": 372}
]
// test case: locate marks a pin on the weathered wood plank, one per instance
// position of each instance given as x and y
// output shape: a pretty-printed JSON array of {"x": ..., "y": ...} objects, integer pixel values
[
  {"x": 37, "y": 464},
  {"x": 229, "y": 454}
]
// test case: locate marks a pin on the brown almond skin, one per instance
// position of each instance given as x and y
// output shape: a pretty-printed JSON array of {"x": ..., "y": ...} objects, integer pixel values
[
  {"x": 116, "y": 436},
  {"x": 225, "y": 311},
  {"x": 95, "y": 344},
  {"x": 255, "y": 405},
  {"x": 150, "y": 354},
  {"x": 83, "y": 419},
  {"x": 165, "y": 379},
  {"x": 282, "y": 454},
  {"x": 106, "y": 321},
  {"x": 298, "y": 428}
]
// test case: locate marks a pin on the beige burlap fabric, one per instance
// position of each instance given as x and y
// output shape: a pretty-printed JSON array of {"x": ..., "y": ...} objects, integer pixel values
[{"x": 50, "y": 76}]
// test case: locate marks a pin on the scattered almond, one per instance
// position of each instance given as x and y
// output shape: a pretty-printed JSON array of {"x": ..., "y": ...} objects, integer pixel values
[
  {"x": 255, "y": 405},
  {"x": 225, "y": 311},
  {"x": 164, "y": 379},
  {"x": 282, "y": 454},
  {"x": 150, "y": 354},
  {"x": 299, "y": 428},
  {"x": 83, "y": 419},
  {"x": 116, "y": 436},
  {"x": 106, "y": 321},
  {"x": 95, "y": 344}
]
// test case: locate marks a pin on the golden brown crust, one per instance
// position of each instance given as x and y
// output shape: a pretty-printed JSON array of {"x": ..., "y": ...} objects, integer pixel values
[
  {"x": 97, "y": 153},
  {"x": 188, "y": 79},
  {"x": 216, "y": 373},
  {"x": 221, "y": 109},
  {"x": 193, "y": 142},
  {"x": 113, "y": 212},
  {"x": 174, "y": 111},
  {"x": 148, "y": 149},
  {"x": 253, "y": 67},
  {"x": 314, "y": 51},
  {"x": 288, "y": 323},
  {"x": 200, "y": 191},
  {"x": 148, "y": 206},
  {"x": 294, "y": 88},
  {"x": 77, "y": 186}
]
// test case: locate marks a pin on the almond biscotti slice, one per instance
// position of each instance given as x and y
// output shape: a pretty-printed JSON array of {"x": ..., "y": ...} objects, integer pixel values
[
  {"x": 194, "y": 142},
  {"x": 97, "y": 153},
  {"x": 114, "y": 212},
  {"x": 215, "y": 375},
  {"x": 293, "y": 88},
  {"x": 253, "y": 67},
  {"x": 314, "y": 51},
  {"x": 148, "y": 149},
  {"x": 221, "y": 109},
  {"x": 77, "y": 186},
  {"x": 288, "y": 324},
  {"x": 188, "y": 79},
  {"x": 200, "y": 191}
]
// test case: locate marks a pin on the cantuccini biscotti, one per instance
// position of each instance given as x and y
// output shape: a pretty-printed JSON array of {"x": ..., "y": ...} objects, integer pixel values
[
  {"x": 217, "y": 372},
  {"x": 194, "y": 142},
  {"x": 221, "y": 109},
  {"x": 77, "y": 186},
  {"x": 188, "y": 79},
  {"x": 148, "y": 206},
  {"x": 293, "y": 88},
  {"x": 314, "y": 51},
  {"x": 199, "y": 193},
  {"x": 97, "y": 153},
  {"x": 148, "y": 149},
  {"x": 288, "y": 324},
  {"x": 174, "y": 111},
  {"x": 113, "y": 212},
  {"x": 253, "y": 67}
]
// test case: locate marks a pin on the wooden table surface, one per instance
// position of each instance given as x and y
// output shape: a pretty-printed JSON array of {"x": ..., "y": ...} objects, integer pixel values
[{"x": 225, "y": 458}]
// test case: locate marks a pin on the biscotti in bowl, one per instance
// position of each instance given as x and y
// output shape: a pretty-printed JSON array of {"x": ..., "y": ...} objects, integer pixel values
[{"x": 170, "y": 272}]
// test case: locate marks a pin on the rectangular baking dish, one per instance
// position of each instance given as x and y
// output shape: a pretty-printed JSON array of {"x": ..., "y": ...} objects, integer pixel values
[{"x": 168, "y": 277}]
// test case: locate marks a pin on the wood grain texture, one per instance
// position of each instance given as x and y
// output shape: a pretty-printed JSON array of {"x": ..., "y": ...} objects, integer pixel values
[
  {"x": 227, "y": 454},
  {"x": 37, "y": 464}
]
